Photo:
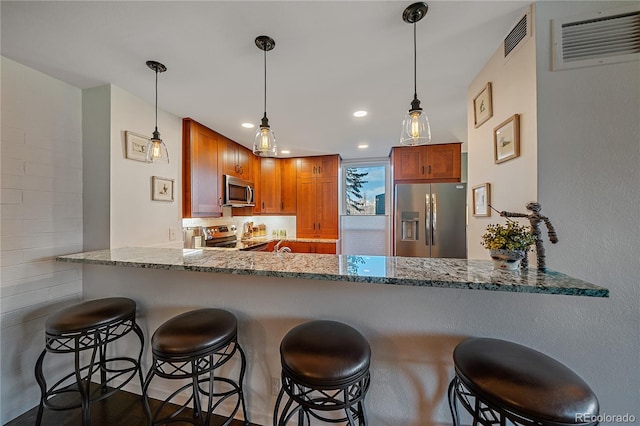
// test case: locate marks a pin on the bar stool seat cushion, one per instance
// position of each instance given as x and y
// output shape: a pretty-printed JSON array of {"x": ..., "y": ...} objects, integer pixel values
[
  {"x": 89, "y": 315},
  {"x": 194, "y": 332},
  {"x": 522, "y": 380},
  {"x": 324, "y": 353}
]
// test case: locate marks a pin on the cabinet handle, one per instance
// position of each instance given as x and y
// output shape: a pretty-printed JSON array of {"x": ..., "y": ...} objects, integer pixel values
[
  {"x": 429, "y": 169},
  {"x": 319, "y": 170},
  {"x": 236, "y": 168},
  {"x": 241, "y": 170},
  {"x": 314, "y": 226},
  {"x": 422, "y": 169},
  {"x": 219, "y": 201},
  {"x": 281, "y": 205},
  {"x": 263, "y": 205},
  {"x": 318, "y": 226},
  {"x": 314, "y": 170}
]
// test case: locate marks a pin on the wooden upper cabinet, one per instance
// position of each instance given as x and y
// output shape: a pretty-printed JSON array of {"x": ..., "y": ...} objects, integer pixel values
[
  {"x": 314, "y": 167},
  {"x": 288, "y": 190},
  {"x": 201, "y": 187},
  {"x": 235, "y": 159},
  {"x": 427, "y": 163}
]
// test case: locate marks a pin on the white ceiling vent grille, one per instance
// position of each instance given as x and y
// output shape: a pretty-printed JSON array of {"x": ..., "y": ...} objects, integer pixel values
[
  {"x": 518, "y": 35},
  {"x": 601, "y": 38}
]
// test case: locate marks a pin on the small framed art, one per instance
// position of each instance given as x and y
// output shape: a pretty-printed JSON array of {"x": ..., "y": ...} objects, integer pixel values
[
  {"x": 482, "y": 106},
  {"x": 162, "y": 188},
  {"x": 506, "y": 139},
  {"x": 136, "y": 146},
  {"x": 482, "y": 199}
]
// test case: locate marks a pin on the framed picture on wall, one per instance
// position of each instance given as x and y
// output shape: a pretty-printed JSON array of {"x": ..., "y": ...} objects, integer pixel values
[
  {"x": 482, "y": 106},
  {"x": 482, "y": 199},
  {"x": 162, "y": 188},
  {"x": 136, "y": 146},
  {"x": 506, "y": 139}
]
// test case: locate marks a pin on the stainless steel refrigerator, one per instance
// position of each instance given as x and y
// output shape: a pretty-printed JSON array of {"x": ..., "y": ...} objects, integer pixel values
[{"x": 431, "y": 220}]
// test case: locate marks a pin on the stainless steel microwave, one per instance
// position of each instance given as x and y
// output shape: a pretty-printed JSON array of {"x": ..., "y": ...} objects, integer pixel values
[{"x": 238, "y": 192}]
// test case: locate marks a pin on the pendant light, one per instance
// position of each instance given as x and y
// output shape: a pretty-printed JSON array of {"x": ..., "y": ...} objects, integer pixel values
[
  {"x": 156, "y": 149},
  {"x": 264, "y": 143},
  {"x": 415, "y": 127}
]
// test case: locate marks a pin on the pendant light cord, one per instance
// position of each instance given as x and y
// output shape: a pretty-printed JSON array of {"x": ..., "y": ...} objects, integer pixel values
[
  {"x": 156, "y": 98},
  {"x": 415, "y": 66},
  {"x": 265, "y": 83}
]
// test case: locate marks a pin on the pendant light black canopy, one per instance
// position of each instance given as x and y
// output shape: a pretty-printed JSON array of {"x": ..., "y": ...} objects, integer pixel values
[
  {"x": 156, "y": 149},
  {"x": 264, "y": 143},
  {"x": 415, "y": 127}
]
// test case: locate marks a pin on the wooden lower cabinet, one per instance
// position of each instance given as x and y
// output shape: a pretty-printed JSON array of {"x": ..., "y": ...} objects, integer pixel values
[{"x": 310, "y": 247}]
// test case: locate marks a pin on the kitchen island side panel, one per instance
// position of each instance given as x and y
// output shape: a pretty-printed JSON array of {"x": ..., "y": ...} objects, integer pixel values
[{"x": 412, "y": 330}]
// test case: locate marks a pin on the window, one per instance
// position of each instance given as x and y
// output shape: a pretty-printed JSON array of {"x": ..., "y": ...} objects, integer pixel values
[{"x": 364, "y": 189}]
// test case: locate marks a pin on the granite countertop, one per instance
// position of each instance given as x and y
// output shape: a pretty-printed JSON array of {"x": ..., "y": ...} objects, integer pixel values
[{"x": 412, "y": 271}]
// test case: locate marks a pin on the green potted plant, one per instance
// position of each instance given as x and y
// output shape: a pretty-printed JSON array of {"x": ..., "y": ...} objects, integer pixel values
[{"x": 508, "y": 244}]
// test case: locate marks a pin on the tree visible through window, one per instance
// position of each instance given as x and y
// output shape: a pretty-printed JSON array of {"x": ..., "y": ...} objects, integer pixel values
[{"x": 365, "y": 190}]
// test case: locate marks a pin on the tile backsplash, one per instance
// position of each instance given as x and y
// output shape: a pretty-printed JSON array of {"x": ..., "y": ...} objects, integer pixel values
[{"x": 272, "y": 223}]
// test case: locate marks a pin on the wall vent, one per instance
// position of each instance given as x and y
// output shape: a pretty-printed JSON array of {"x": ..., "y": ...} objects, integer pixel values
[
  {"x": 600, "y": 38},
  {"x": 518, "y": 35}
]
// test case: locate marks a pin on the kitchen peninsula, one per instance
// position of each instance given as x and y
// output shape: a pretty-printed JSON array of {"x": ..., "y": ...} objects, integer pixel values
[
  {"x": 412, "y": 329},
  {"x": 421, "y": 272}
]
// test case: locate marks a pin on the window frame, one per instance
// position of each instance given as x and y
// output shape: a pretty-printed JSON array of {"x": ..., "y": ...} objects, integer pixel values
[{"x": 369, "y": 162}]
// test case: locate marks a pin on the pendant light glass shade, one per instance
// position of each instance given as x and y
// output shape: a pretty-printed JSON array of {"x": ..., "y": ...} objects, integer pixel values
[
  {"x": 415, "y": 127},
  {"x": 264, "y": 143},
  {"x": 156, "y": 149}
]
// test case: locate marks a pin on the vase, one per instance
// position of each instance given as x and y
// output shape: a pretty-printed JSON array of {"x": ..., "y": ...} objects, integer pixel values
[{"x": 508, "y": 260}]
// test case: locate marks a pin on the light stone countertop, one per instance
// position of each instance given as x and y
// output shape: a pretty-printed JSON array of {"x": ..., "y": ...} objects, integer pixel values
[{"x": 411, "y": 271}]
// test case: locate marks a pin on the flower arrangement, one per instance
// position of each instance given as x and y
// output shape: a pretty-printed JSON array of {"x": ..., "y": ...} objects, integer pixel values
[{"x": 511, "y": 236}]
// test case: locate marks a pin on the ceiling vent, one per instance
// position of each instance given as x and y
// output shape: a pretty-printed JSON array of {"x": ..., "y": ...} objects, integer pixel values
[
  {"x": 600, "y": 38},
  {"x": 517, "y": 36}
]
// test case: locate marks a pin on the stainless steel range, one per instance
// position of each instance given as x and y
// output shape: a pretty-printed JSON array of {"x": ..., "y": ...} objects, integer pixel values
[{"x": 226, "y": 236}]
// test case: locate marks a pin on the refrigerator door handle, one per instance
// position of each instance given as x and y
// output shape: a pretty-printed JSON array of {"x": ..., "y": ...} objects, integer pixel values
[
  {"x": 434, "y": 218},
  {"x": 427, "y": 225}
]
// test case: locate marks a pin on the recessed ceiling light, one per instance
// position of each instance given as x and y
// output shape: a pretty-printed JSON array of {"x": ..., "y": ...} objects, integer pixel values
[
  {"x": 360, "y": 114},
  {"x": 285, "y": 151},
  {"x": 248, "y": 125},
  {"x": 363, "y": 146}
]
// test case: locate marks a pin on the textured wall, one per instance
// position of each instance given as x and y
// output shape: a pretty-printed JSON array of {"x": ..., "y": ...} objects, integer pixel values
[{"x": 41, "y": 218}]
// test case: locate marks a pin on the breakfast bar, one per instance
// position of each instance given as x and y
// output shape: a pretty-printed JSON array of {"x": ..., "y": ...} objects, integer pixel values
[
  {"x": 413, "y": 312},
  {"x": 408, "y": 271}
]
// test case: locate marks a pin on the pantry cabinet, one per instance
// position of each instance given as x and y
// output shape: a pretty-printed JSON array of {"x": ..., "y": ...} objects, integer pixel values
[{"x": 317, "y": 197}]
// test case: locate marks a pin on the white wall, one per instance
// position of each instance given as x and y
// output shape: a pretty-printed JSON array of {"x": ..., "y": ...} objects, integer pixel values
[
  {"x": 41, "y": 217},
  {"x": 136, "y": 220},
  {"x": 514, "y": 182},
  {"x": 589, "y": 186}
]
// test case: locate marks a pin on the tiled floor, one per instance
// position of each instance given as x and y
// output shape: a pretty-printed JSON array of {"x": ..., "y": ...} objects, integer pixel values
[{"x": 121, "y": 409}]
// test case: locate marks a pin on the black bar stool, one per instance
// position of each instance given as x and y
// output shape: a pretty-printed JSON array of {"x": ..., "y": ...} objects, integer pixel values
[
  {"x": 498, "y": 381},
  {"x": 88, "y": 326},
  {"x": 192, "y": 346},
  {"x": 325, "y": 368}
]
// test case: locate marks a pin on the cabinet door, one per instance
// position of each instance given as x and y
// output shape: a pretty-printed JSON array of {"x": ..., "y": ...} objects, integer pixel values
[
  {"x": 408, "y": 163},
  {"x": 201, "y": 186},
  {"x": 227, "y": 157},
  {"x": 306, "y": 208},
  {"x": 244, "y": 158},
  {"x": 288, "y": 189},
  {"x": 269, "y": 185},
  {"x": 327, "y": 207},
  {"x": 326, "y": 166},
  {"x": 299, "y": 246},
  {"x": 306, "y": 167},
  {"x": 325, "y": 248},
  {"x": 444, "y": 161}
]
